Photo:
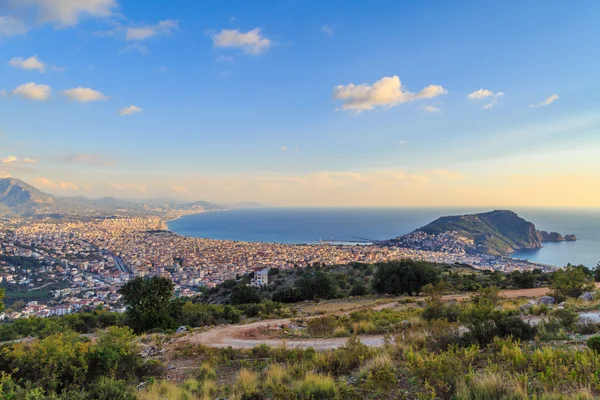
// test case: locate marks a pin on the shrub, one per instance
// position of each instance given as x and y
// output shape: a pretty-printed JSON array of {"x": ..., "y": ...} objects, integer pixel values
[
  {"x": 489, "y": 385},
  {"x": 594, "y": 343},
  {"x": 315, "y": 387},
  {"x": 322, "y": 326},
  {"x": 566, "y": 318}
]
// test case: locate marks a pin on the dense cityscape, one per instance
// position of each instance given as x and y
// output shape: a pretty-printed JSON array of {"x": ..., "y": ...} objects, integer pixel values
[{"x": 85, "y": 261}]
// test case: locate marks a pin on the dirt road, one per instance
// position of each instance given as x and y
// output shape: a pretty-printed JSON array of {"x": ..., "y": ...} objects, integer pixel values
[{"x": 248, "y": 336}]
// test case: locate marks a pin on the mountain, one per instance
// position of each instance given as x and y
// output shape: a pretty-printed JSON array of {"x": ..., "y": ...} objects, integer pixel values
[
  {"x": 18, "y": 197},
  {"x": 497, "y": 232},
  {"x": 16, "y": 194}
]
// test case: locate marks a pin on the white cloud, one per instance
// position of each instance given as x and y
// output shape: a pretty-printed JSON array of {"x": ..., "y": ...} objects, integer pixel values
[
  {"x": 165, "y": 27},
  {"x": 386, "y": 92},
  {"x": 327, "y": 29},
  {"x": 84, "y": 95},
  {"x": 402, "y": 142},
  {"x": 10, "y": 26},
  {"x": 430, "y": 108},
  {"x": 130, "y": 110},
  {"x": 180, "y": 189},
  {"x": 16, "y": 160},
  {"x": 252, "y": 42},
  {"x": 28, "y": 63},
  {"x": 69, "y": 12},
  {"x": 547, "y": 101},
  {"x": 128, "y": 186},
  {"x": 43, "y": 182},
  {"x": 489, "y": 105},
  {"x": 33, "y": 91},
  {"x": 483, "y": 93}
]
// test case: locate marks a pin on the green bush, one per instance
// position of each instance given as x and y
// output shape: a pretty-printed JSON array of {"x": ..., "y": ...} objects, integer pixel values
[{"x": 594, "y": 343}]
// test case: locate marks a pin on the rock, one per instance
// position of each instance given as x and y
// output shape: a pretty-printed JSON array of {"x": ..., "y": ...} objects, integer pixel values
[
  {"x": 561, "y": 304},
  {"x": 405, "y": 324},
  {"x": 587, "y": 296},
  {"x": 352, "y": 380},
  {"x": 532, "y": 302},
  {"x": 570, "y": 238},
  {"x": 560, "y": 307},
  {"x": 547, "y": 300},
  {"x": 181, "y": 329}
]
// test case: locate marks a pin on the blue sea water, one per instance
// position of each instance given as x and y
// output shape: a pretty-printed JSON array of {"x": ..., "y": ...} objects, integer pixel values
[{"x": 309, "y": 225}]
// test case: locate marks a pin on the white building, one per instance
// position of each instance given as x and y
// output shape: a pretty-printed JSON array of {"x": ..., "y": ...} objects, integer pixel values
[{"x": 261, "y": 277}]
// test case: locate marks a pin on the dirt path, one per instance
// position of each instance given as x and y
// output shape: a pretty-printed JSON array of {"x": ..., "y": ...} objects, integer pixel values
[{"x": 244, "y": 336}]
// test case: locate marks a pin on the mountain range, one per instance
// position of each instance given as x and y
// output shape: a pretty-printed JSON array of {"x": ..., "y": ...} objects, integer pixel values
[{"x": 20, "y": 198}]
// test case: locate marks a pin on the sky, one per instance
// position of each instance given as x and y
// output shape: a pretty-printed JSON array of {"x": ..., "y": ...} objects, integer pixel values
[{"x": 304, "y": 103}]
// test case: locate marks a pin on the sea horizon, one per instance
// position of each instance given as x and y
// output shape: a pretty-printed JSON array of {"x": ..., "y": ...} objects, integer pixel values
[{"x": 361, "y": 225}]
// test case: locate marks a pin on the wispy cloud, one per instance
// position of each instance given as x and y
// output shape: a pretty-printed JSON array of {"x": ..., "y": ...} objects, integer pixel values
[
  {"x": 129, "y": 110},
  {"x": 165, "y": 27},
  {"x": 47, "y": 183},
  {"x": 251, "y": 42},
  {"x": 430, "y": 109},
  {"x": 86, "y": 159},
  {"x": 128, "y": 187},
  {"x": 547, "y": 101},
  {"x": 10, "y": 160},
  {"x": 327, "y": 29},
  {"x": 385, "y": 93}
]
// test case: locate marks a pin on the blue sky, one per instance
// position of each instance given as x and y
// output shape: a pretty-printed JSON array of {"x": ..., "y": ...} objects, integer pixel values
[{"x": 304, "y": 102}]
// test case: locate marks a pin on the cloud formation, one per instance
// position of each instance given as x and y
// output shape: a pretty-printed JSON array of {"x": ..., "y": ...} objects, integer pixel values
[
  {"x": 430, "y": 108},
  {"x": 386, "y": 92},
  {"x": 84, "y": 95},
  {"x": 547, "y": 101},
  {"x": 252, "y": 42},
  {"x": 9, "y": 160},
  {"x": 31, "y": 63},
  {"x": 33, "y": 91},
  {"x": 68, "y": 13},
  {"x": 47, "y": 183},
  {"x": 327, "y": 29},
  {"x": 483, "y": 94},
  {"x": 129, "y": 110},
  {"x": 10, "y": 26},
  {"x": 165, "y": 27}
]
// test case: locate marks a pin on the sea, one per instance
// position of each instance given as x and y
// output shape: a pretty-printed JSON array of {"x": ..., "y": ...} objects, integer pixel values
[{"x": 366, "y": 225}]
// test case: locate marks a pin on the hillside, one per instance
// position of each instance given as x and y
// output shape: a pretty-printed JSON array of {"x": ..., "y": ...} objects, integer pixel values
[
  {"x": 497, "y": 232},
  {"x": 19, "y": 197}
]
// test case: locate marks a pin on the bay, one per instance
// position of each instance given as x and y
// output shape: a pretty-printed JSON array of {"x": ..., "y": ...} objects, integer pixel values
[{"x": 356, "y": 225}]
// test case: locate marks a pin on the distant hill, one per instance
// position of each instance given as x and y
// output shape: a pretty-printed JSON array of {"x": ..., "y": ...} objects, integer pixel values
[
  {"x": 20, "y": 198},
  {"x": 495, "y": 232},
  {"x": 499, "y": 232}
]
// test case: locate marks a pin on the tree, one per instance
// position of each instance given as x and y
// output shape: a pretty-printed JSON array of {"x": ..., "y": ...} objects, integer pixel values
[
  {"x": 314, "y": 286},
  {"x": 243, "y": 294},
  {"x": 404, "y": 276},
  {"x": 148, "y": 303},
  {"x": 597, "y": 273},
  {"x": 570, "y": 281}
]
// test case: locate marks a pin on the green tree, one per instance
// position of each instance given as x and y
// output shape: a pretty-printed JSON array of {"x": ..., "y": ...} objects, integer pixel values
[
  {"x": 148, "y": 302},
  {"x": 243, "y": 294},
  {"x": 317, "y": 285},
  {"x": 597, "y": 273},
  {"x": 570, "y": 281},
  {"x": 404, "y": 276}
]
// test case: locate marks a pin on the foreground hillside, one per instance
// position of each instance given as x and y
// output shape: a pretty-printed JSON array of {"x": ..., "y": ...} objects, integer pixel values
[{"x": 431, "y": 344}]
